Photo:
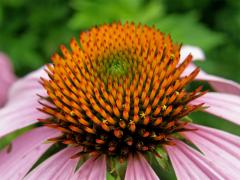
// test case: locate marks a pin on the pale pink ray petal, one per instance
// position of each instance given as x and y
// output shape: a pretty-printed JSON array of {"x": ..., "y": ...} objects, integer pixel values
[
  {"x": 139, "y": 168},
  {"x": 196, "y": 52},
  {"x": 222, "y": 105},
  {"x": 190, "y": 164},
  {"x": 218, "y": 83},
  {"x": 221, "y": 147},
  {"x": 24, "y": 152},
  {"x": 94, "y": 168},
  {"x": 7, "y": 77},
  {"x": 29, "y": 82},
  {"x": 59, "y": 166},
  {"x": 21, "y": 109}
]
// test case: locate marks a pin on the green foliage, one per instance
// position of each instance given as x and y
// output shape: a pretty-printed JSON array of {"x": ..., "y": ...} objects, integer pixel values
[
  {"x": 222, "y": 17},
  {"x": 187, "y": 30},
  {"x": 90, "y": 13},
  {"x": 30, "y": 33}
]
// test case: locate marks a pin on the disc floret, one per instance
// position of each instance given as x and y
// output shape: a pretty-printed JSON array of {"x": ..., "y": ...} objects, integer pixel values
[{"x": 118, "y": 91}]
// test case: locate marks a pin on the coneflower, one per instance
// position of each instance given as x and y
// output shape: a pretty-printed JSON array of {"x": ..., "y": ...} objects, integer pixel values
[{"x": 113, "y": 102}]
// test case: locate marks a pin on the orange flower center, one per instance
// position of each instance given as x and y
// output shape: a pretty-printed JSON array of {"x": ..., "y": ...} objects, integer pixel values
[{"x": 118, "y": 90}]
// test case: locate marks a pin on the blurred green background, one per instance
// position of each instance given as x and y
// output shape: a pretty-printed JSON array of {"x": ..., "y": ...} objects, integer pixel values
[{"x": 30, "y": 31}]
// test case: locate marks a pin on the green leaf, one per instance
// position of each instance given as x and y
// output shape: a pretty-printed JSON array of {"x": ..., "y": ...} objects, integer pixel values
[
  {"x": 91, "y": 13},
  {"x": 186, "y": 29}
]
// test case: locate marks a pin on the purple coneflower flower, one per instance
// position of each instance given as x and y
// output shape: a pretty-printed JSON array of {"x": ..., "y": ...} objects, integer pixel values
[{"x": 111, "y": 105}]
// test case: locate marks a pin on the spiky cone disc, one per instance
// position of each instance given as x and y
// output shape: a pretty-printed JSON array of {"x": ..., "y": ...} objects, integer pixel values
[{"x": 118, "y": 90}]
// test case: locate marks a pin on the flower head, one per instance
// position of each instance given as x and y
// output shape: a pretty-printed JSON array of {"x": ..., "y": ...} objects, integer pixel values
[{"x": 119, "y": 95}]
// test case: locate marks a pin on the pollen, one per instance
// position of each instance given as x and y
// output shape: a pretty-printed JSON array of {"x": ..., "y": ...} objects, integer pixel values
[{"x": 117, "y": 90}]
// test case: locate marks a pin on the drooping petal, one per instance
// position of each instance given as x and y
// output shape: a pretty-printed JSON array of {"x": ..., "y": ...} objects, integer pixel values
[
  {"x": 21, "y": 109},
  {"x": 222, "y": 105},
  {"x": 218, "y": 83},
  {"x": 59, "y": 166},
  {"x": 190, "y": 164},
  {"x": 196, "y": 52},
  {"x": 221, "y": 147},
  {"x": 138, "y": 168},
  {"x": 18, "y": 159},
  {"x": 7, "y": 77},
  {"x": 94, "y": 168}
]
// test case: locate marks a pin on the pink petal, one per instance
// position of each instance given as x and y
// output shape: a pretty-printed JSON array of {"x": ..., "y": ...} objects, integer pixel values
[
  {"x": 222, "y": 105},
  {"x": 29, "y": 82},
  {"x": 138, "y": 168},
  {"x": 94, "y": 168},
  {"x": 25, "y": 151},
  {"x": 190, "y": 164},
  {"x": 218, "y": 146},
  {"x": 21, "y": 109},
  {"x": 221, "y": 84},
  {"x": 218, "y": 83},
  {"x": 196, "y": 52},
  {"x": 59, "y": 166},
  {"x": 7, "y": 77}
]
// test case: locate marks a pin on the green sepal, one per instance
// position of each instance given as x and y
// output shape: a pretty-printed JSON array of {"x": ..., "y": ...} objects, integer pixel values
[
  {"x": 115, "y": 169},
  {"x": 178, "y": 136},
  {"x": 53, "y": 149},
  {"x": 111, "y": 177},
  {"x": 160, "y": 162},
  {"x": 7, "y": 139},
  {"x": 82, "y": 160},
  {"x": 201, "y": 108},
  {"x": 186, "y": 119},
  {"x": 163, "y": 161}
]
